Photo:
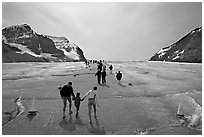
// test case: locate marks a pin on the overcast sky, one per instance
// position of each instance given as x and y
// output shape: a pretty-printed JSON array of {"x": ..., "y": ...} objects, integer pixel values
[{"x": 111, "y": 31}]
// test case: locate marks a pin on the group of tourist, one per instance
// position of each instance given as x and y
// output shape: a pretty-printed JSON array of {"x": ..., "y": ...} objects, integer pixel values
[
  {"x": 66, "y": 92},
  {"x": 101, "y": 73}
]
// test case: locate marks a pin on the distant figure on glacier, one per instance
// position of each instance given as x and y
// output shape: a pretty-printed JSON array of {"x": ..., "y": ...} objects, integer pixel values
[
  {"x": 111, "y": 68},
  {"x": 100, "y": 65},
  {"x": 87, "y": 62},
  {"x": 104, "y": 67},
  {"x": 119, "y": 76},
  {"x": 103, "y": 76},
  {"x": 98, "y": 74}
]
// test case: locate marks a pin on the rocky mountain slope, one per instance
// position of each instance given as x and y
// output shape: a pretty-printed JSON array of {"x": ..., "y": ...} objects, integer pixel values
[
  {"x": 187, "y": 49},
  {"x": 21, "y": 44}
]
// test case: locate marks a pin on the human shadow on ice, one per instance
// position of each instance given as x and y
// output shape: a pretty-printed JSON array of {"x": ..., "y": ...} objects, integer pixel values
[
  {"x": 96, "y": 129},
  {"x": 122, "y": 85},
  {"x": 79, "y": 122},
  {"x": 31, "y": 116},
  {"x": 105, "y": 85},
  {"x": 70, "y": 125}
]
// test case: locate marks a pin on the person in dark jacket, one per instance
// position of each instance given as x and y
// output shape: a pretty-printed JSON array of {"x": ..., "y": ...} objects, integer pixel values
[
  {"x": 98, "y": 74},
  {"x": 111, "y": 68},
  {"x": 103, "y": 76},
  {"x": 66, "y": 92},
  {"x": 119, "y": 76},
  {"x": 77, "y": 103},
  {"x": 100, "y": 65}
]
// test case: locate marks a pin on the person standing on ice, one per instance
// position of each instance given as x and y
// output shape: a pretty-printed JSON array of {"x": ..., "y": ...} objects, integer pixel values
[
  {"x": 92, "y": 101},
  {"x": 98, "y": 74},
  {"x": 100, "y": 65},
  {"x": 66, "y": 92},
  {"x": 103, "y": 76},
  {"x": 111, "y": 68},
  {"x": 104, "y": 67},
  {"x": 119, "y": 76}
]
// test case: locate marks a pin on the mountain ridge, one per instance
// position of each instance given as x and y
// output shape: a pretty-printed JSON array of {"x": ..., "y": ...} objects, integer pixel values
[
  {"x": 187, "y": 49},
  {"x": 22, "y": 44}
]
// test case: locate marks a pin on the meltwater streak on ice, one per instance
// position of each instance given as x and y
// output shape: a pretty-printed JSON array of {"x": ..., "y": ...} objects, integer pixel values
[{"x": 17, "y": 112}]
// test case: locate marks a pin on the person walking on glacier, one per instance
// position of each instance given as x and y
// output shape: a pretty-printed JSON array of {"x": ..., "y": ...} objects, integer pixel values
[
  {"x": 66, "y": 92},
  {"x": 98, "y": 74},
  {"x": 119, "y": 77},
  {"x": 92, "y": 101},
  {"x": 103, "y": 74},
  {"x": 77, "y": 102}
]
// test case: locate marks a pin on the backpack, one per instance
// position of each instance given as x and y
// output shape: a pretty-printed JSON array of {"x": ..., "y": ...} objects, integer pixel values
[
  {"x": 119, "y": 76},
  {"x": 63, "y": 91}
]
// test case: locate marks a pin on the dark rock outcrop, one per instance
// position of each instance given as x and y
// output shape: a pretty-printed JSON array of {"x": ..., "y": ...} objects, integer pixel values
[{"x": 187, "y": 49}]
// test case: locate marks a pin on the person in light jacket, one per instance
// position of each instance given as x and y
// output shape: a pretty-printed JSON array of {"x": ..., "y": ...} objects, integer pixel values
[{"x": 92, "y": 101}]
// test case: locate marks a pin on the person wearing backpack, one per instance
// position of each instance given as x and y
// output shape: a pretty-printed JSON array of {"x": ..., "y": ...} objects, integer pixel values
[
  {"x": 66, "y": 92},
  {"x": 119, "y": 77}
]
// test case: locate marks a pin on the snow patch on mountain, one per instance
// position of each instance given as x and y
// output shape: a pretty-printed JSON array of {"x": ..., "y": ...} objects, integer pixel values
[
  {"x": 72, "y": 54},
  {"x": 24, "y": 36},
  {"x": 23, "y": 49},
  {"x": 164, "y": 50},
  {"x": 178, "y": 54},
  {"x": 69, "y": 48},
  {"x": 4, "y": 39},
  {"x": 181, "y": 52},
  {"x": 162, "y": 54},
  {"x": 47, "y": 55}
]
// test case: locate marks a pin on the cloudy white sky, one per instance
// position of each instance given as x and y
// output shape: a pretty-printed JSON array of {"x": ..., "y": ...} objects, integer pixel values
[{"x": 111, "y": 31}]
